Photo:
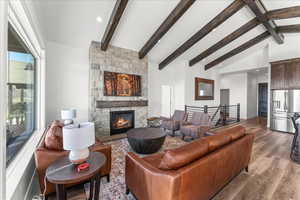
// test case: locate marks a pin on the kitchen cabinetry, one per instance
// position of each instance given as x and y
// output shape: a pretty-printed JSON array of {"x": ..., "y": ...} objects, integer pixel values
[{"x": 285, "y": 74}]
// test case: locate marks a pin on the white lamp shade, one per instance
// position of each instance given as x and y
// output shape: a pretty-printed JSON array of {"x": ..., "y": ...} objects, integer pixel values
[
  {"x": 68, "y": 114},
  {"x": 79, "y": 136}
]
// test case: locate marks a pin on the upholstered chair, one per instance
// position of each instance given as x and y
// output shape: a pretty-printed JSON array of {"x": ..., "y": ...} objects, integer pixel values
[
  {"x": 197, "y": 127},
  {"x": 51, "y": 149},
  {"x": 173, "y": 124}
]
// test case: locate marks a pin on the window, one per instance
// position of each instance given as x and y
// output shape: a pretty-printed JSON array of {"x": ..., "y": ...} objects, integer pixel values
[{"x": 21, "y": 103}]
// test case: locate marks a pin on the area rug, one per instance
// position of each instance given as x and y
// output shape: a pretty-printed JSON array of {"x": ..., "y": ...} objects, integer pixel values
[{"x": 115, "y": 189}]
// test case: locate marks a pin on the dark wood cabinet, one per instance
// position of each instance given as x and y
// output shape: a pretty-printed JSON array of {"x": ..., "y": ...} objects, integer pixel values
[
  {"x": 285, "y": 74},
  {"x": 278, "y": 77}
]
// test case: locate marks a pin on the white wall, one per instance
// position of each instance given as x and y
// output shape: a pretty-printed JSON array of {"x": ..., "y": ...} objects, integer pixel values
[
  {"x": 252, "y": 95},
  {"x": 249, "y": 61},
  {"x": 290, "y": 48},
  {"x": 237, "y": 84},
  {"x": 67, "y": 79},
  {"x": 198, "y": 71},
  {"x": 174, "y": 76}
]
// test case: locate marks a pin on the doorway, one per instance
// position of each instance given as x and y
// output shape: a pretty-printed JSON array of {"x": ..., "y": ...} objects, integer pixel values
[
  {"x": 263, "y": 99},
  {"x": 224, "y": 97}
]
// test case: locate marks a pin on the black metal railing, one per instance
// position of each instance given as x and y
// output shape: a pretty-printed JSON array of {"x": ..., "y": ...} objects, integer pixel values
[{"x": 220, "y": 115}]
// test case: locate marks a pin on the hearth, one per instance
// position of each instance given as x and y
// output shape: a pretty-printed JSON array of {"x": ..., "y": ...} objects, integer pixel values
[{"x": 121, "y": 121}]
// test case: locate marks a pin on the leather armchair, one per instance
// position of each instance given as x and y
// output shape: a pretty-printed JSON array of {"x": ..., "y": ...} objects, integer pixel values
[
  {"x": 45, "y": 157},
  {"x": 173, "y": 124},
  {"x": 197, "y": 126}
]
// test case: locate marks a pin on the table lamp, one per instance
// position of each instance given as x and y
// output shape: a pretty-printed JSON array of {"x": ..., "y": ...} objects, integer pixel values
[
  {"x": 68, "y": 115},
  {"x": 77, "y": 138}
]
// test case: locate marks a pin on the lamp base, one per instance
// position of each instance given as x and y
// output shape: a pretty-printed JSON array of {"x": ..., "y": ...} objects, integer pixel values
[{"x": 79, "y": 156}]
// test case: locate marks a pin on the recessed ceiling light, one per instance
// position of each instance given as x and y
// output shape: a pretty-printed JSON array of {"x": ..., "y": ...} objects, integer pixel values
[
  {"x": 99, "y": 19},
  {"x": 257, "y": 70}
]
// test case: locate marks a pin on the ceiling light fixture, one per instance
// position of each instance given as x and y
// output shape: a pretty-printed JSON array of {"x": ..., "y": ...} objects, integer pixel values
[
  {"x": 257, "y": 70},
  {"x": 99, "y": 19}
]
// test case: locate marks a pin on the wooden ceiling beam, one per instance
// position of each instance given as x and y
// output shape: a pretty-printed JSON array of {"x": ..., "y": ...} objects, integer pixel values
[
  {"x": 215, "y": 22},
  {"x": 238, "y": 50},
  {"x": 284, "y": 13},
  {"x": 289, "y": 28},
  {"x": 173, "y": 17},
  {"x": 228, "y": 39},
  {"x": 259, "y": 10},
  {"x": 113, "y": 23}
]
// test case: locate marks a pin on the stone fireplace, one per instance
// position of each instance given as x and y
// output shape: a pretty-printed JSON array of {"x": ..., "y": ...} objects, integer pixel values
[
  {"x": 101, "y": 107},
  {"x": 121, "y": 121}
]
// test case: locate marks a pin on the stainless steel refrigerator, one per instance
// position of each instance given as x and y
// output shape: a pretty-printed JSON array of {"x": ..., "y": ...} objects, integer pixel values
[{"x": 284, "y": 104}]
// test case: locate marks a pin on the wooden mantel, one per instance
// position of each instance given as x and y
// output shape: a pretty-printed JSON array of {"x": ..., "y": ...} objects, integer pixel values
[{"x": 119, "y": 104}]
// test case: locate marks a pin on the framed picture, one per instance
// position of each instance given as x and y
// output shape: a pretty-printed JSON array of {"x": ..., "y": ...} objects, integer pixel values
[
  {"x": 119, "y": 84},
  {"x": 204, "y": 89}
]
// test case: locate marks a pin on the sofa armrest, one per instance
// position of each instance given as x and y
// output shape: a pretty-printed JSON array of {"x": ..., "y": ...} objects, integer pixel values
[
  {"x": 149, "y": 182},
  {"x": 43, "y": 159},
  {"x": 106, "y": 150}
]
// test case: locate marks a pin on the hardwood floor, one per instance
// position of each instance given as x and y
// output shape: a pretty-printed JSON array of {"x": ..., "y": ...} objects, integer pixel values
[{"x": 272, "y": 175}]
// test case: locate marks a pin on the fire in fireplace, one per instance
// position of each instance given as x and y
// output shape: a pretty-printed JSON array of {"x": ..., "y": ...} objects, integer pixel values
[{"x": 121, "y": 121}]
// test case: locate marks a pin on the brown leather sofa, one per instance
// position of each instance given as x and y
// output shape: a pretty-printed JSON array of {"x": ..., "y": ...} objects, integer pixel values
[
  {"x": 196, "y": 171},
  {"x": 45, "y": 157}
]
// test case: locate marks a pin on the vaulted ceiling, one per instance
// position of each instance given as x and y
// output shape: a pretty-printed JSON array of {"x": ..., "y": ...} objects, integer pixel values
[{"x": 73, "y": 23}]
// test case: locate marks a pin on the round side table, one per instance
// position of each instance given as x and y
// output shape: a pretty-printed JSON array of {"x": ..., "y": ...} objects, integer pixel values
[{"x": 63, "y": 172}]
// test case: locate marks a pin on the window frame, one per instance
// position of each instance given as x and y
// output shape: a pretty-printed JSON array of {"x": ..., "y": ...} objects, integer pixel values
[{"x": 21, "y": 19}]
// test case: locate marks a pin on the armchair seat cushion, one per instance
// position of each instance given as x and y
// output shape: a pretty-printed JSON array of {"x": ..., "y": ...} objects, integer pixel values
[
  {"x": 171, "y": 125},
  {"x": 192, "y": 130},
  {"x": 197, "y": 127}
]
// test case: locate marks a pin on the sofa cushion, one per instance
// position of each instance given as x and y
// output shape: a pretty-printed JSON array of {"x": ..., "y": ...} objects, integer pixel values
[
  {"x": 54, "y": 137},
  {"x": 179, "y": 157},
  {"x": 217, "y": 141},
  {"x": 235, "y": 132}
]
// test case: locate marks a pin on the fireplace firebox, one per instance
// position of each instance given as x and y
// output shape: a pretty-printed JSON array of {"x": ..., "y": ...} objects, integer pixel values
[{"x": 121, "y": 121}]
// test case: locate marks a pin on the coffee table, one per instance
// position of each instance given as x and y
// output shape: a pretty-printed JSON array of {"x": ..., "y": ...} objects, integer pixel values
[
  {"x": 146, "y": 140},
  {"x": 63, "y": 172}
]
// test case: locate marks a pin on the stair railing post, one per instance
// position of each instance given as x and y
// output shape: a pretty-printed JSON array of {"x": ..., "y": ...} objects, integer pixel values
[
  {"x": 224, "y": 115},
  {"x": 205, "y": 109},
  {"x": 238, "y": 112}
]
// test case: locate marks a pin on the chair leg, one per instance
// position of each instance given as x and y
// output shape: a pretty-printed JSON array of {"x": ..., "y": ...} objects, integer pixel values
[
  {"x": 182, "y": 137},
  {"x": 108, "y": 178},
  {"x": 127, "y": 190},
  {"x": 247, "y": 169}
]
